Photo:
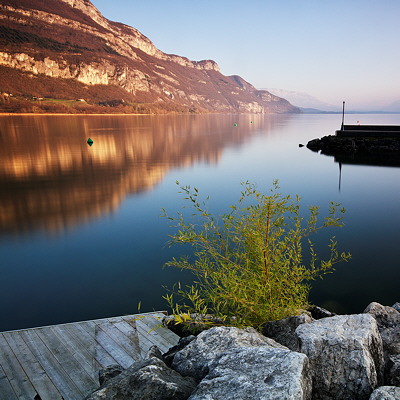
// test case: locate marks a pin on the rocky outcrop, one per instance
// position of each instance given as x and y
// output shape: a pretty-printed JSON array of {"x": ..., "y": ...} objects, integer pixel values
[
  {"x": 339, "y": 357},
  {"x": 320, "y": 312},
  {"x": 70, "y": 39},
  {"x": 386, "y": 393},
  {"x": 283, "y": 330},
  {"x": 396, "y": 306},
  {"x": 168, "y": 357},
  {"x": 148, "y": 379},
  {"x": 242, "y": 364},
  {"x": 109, "y": 372},
  {"x": 194, "y": 359},
  {"x": 392, "y": 370},
  {"x": 345, "y": 354},
  {"x": 388, "y": 320},
  {"x": 260, "y": 372},
  {"x": 332, "y": 145},
  {"x": 376, "y": 151},
  {"x": 102, "y": 72}
]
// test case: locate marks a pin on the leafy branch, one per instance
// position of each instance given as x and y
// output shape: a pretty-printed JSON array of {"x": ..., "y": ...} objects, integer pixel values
[{"x": 248, "y": 263}]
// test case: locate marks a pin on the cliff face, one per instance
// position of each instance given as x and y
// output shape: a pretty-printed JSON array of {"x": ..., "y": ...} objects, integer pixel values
[{"x": 70, "y": 39}]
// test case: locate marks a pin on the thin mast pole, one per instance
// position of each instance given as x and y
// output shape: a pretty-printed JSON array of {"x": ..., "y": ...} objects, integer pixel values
[{"x": 343, "y": 118}]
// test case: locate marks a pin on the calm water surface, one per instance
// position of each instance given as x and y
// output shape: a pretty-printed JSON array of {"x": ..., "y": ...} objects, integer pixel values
[{"x": 80, "y": 230}]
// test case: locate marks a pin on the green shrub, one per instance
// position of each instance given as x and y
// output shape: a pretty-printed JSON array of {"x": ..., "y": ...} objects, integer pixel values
[{"x": 248, "y": 263}]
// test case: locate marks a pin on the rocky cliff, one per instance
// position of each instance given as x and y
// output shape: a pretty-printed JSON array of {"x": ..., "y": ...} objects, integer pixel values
[{"x": 67, "y": 49}]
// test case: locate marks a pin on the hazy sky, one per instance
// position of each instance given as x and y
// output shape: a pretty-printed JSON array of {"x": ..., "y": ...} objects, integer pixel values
[{"x": 334, "y": 50}]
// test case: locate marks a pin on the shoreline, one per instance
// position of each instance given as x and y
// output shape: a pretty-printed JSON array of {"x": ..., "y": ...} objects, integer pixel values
[{"x": 68, "y": 114}]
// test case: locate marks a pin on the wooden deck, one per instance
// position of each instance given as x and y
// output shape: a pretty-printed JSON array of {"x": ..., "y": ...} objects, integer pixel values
[{"x": 62, "y": 361}]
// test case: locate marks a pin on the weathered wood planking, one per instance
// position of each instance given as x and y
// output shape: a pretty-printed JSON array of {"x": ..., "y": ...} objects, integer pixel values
[{"x": 61, "y": 362}]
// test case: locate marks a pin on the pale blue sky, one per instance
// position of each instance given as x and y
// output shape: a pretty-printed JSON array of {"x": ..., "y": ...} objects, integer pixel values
[{"x": 333, "y": 50}]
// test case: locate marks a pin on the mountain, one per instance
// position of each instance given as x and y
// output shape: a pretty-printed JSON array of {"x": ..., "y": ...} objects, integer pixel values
[
  {"x": 393, "y": 107},
  {"x": 304, "y": 100},
  {"x": 65, "y": 49}
]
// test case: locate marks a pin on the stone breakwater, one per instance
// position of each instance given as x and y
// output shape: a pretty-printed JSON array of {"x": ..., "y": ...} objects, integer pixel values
[
  {"x": 315, "y": 355},
  {"x": 332, "y": 145}
]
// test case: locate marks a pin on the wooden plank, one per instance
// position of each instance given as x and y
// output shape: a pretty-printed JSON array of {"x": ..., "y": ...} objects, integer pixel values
[
  {"x": 113, "y": 349},
  {"x": 85, "y": 332},
  {"x": 84, "y": 354},
  {"x": 33, "y": 369},
  {"x": 150, "y": 332},
  {"x": 151, "y": 336},
  {"x": 155, "y": 324},
  {"x": 16, "y": 375},
  {"x": 119, "y": 337},
  {"x": 131, "y": 334},
  {"x": 76, "y": 371},
  {"x": 6, "y": 390},
  {"x": 62, "y": 361},
  {"x": 65, "y": 385},
  {"x": 142, "y": 342}
]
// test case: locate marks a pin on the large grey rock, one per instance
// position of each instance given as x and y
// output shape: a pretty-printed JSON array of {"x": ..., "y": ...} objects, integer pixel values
[
  {"x": 107, "y": 373},
  {"x": 345, "y": 354},
  {"x": 168, "y": 357},
  {"x": 283, "y": 330},
  {"x": 319, "y": 312},
  {"x": 255, "y": 373},
  {"x": 396, "y": 306},
  {"x": 386, "y": 393},
  {"x": 385, "y": 316},
  {"x": 193, "y": 360},
  {"x": 149, "y": 379},
  {"x": 392, "y": 370},
  {"x": 388, "y": 320}
]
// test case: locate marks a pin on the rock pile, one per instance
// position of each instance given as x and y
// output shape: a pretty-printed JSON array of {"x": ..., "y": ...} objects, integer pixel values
[
  {"x": 334, "y": 357},
  {"x": 332, "y": 145}
]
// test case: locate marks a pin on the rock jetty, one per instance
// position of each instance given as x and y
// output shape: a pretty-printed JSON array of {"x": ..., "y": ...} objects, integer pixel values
[
  {"x": 333, "y": 145},
  {"x": 311, "y": 356}
]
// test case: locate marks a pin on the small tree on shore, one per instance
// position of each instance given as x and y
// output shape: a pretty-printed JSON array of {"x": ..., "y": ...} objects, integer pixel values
[{"x": 248, "y": 263}]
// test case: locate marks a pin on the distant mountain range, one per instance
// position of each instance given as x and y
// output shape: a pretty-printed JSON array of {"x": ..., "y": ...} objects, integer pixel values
[
  {"x": 66, "y": 50},
  {"x": 304, "y": 100},
  {"x": 310, "y": 104},
  {"x": 393, "y": 107}
]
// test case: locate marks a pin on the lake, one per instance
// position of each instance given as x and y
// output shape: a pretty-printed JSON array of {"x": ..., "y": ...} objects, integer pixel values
[{"x": 80, "y": 230}]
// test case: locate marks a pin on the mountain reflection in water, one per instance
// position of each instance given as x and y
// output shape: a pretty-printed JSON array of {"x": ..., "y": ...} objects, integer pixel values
[{"x": 51, "y": 179}]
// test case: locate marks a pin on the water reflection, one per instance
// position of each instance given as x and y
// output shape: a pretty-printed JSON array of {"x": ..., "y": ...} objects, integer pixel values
[
  {"x": 376, "y": 160},
  {"x": 51, "y": 179}
]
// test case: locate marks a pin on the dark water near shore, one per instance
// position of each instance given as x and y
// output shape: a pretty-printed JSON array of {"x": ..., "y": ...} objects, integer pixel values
[{"x": 80, "y": 230}]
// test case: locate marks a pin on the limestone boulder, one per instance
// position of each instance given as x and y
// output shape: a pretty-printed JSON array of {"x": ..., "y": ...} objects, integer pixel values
[
  {"x": 154, "y": 351},
  {"x": 320, "y": 312},
  {"x": 388, "y": 320},
  {"x": 194, "y": 359},
  {"x": 386, "y": 393},
  {"x": 148, "y": 379},
  {"x": 107, "y": 373},
  {"x": 396, "y": 306},
  {"x": 392, "y": 370},
  {"x": 168, "y": 357},
  {"x": 345, "y": 354},
  {"x": 283, "y": 330},
  {"x": 256, "y": 373}
]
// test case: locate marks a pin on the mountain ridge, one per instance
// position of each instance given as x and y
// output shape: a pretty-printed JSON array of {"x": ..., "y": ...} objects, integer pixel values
[
  {"x": 304, "y": 100},
  {"x": 68, "y": 46}
]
